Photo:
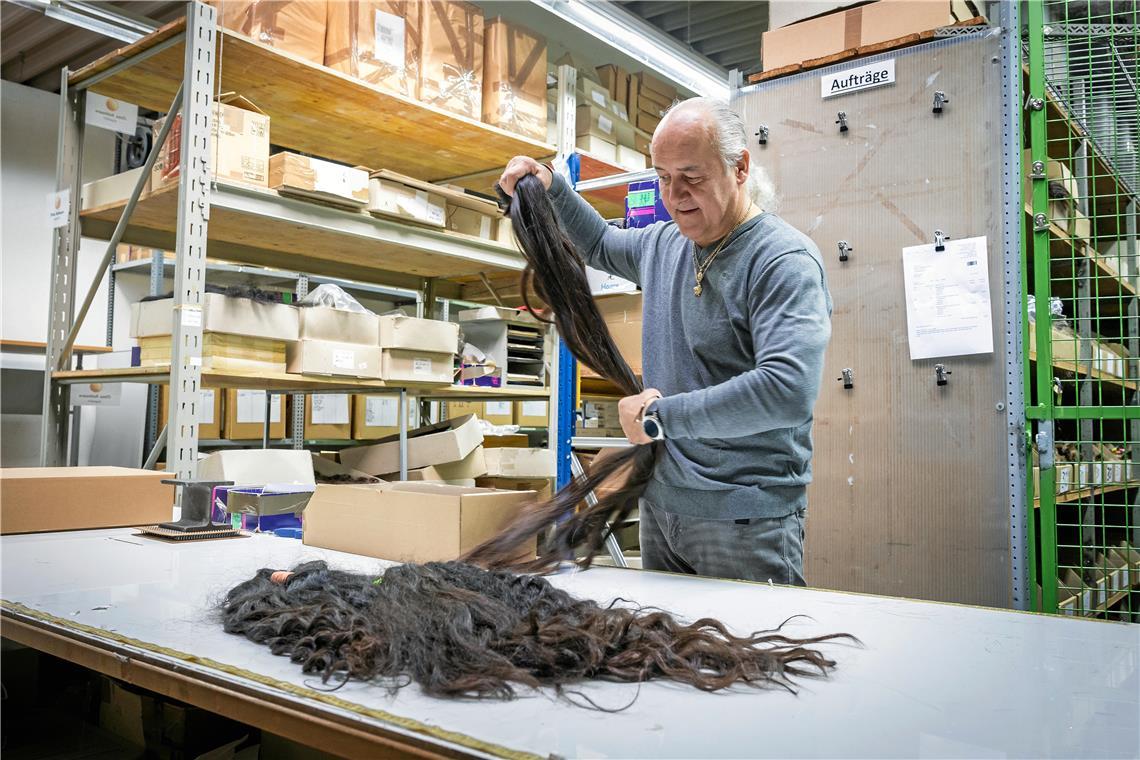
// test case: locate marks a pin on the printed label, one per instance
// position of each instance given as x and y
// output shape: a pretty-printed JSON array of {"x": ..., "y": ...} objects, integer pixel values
[
  {"x": 421, "y": 366},
  {"x": 344, "y": 359},
  {"x": 534, "y": 408},
  {"x": 59, "y": 208},
  {"x": 861, "y": 78},
  {"x": 206, "y": 410},
  {"x": 330, "y": 409},
  {"x": 190, "y": 316},
  {"x": 251, "y": 407},
  {"x": 605, "y": 125},
  {"x": 599, "y": 97},
  {"x": 389, "y": 44},
  {"x": 500, "y": 408},
  {"x": 381, "y": 411},
  {"x": 96, "y": 394},
  {"x": 108, "y": 113}
]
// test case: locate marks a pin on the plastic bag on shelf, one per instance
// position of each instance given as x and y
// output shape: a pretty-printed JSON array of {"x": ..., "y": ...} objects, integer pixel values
[
  {"x": 333, "y": 296},
  {"x": 490, "y": 429}
]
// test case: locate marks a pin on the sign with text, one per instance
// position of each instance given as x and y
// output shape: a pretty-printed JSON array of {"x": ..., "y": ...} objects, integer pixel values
[
  {"x": 59, "y": 208},
  {"x": 96, "y": 394},
  {"x": 108, "y": 113},
  {"x": 854, "y": 80}
]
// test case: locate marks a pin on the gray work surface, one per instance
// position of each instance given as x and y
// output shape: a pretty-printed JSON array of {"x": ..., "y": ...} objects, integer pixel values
[{"x": 931, "y": 680}]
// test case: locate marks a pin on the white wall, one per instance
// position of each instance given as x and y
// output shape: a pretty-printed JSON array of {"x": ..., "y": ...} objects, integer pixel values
[{"x": 29, "y": 125}]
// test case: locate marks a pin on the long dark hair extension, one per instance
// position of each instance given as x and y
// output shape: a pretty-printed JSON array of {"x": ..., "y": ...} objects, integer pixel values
[
  {"x": 556, "y": 273},
  {"x": 461, "y": 631}
]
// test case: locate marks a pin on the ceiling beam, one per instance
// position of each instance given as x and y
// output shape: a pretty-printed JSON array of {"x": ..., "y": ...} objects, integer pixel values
[
  {"x": 698, "y": 13},
  {"x": 655, "y": 9},
  {"x": 717, "y": 27},
  {"x": 742, "y": 34}
]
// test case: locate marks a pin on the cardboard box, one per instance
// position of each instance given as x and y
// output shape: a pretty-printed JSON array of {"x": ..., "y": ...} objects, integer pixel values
[
  {"x": 498, "y": 412},
  {"x": 532, "y": 413},
  {"x": 1055, "y": 171},
  {"x": 616, "y": 81},
  {"x": 514, "y": 79},
  {"x": 258, "y": 467},
  {"x": 34, "y": 499},
  {"x": 209, "y": 413},
  {"x": 112, "y": 190},
  {"x": 652, "y": 106},
  {"x": 220, "y": 352},
  {"x": 631, "y": 159},
  {"x": 592, "y": 93},
  {"x": 457, "y": 409},
  {"x": 328, "y": 416},
  {"x": 326, "y": 357},
  {"x": 239, "y": 145},
  {"x": 642, "y": 141},
  {"x": 862, "y": 25},
  {"x": 412, "y": 366},
  {"x": 293, "y": 174},
  {"x": 376, "y": 416},
  {"x": 377, "y": 41},
  {"x": 431, "y": 474},
  {"x": 326, "y": 323},
  {"x": 598, "y": 147},
  {"x": 245, "y": 415},
  {"x": 622, "y": 314},
  {"x": 440, "y": 443},
  {"x": 592, "y": 120},
  {"x": 1064, "y": 478},
  {"x": 520, "y": 463},
  {"x": 400, "y": 331},
  {"x": 514, "y": 440},
  {"x": 647, "y": 122},
  {"x": 651, "y": 85},
  {"x": 472, "y": 466},
  {"x": 451, "y": 62},
  {"x": 543, "y": 488},
  {"x": 408, "y": 522},
  {"x": 221, "y": 314},
  {"x": 296, "y": 27},
  {"x": 398, "y": 201},
  {"x": 469, "y": 222}
]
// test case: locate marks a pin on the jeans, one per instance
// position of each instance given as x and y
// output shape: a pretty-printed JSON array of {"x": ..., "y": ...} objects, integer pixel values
[{"x": 759, "y": 549}]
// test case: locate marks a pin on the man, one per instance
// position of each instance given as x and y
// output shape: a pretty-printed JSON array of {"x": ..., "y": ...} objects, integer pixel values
[{"x": 736, "y": 319}]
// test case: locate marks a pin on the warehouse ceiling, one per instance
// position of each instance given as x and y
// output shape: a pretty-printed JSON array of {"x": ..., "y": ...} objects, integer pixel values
[
  {"x": 727, "y": 32},
  {"x": 33, "y": 46}
]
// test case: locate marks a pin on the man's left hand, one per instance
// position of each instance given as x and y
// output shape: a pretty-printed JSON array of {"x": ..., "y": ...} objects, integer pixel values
[{"x": 629, "y": 413}]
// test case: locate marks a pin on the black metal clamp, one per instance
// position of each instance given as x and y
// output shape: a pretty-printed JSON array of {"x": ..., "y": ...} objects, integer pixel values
[
  {"x": 941, "y": 374},
  {"x": 196, "y": 506},
  {"x": 842, "y": 121},
  {"x": 940, "y": 100},
  {"x": 847, "y": 378},
  {"x": 845, "y": 250},
  {"x": 762, "y": 134}
]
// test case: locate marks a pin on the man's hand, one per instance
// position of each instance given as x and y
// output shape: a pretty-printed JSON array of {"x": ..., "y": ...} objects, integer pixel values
[
  {"x": 629, "y": 412},
  {"x": 519, "y": 167}
]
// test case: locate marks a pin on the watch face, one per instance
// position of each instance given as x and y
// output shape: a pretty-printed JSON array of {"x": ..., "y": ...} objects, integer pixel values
[{"x": 651, "y": 427}]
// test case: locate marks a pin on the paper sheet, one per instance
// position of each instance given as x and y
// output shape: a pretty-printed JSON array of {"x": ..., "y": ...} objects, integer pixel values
[
  {"x": 251, "y": 407},
  {"x": 381, "y": 411},
  {"x": 330, "y": 409},
  {"x": 948, "y": 309}
]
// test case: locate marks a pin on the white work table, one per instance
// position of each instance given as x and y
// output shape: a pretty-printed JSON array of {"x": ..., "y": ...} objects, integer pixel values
[{"x": 931, "y": 680}]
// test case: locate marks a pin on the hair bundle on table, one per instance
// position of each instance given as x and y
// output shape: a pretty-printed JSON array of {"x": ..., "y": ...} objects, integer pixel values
[{"x": 461, "y": 631}]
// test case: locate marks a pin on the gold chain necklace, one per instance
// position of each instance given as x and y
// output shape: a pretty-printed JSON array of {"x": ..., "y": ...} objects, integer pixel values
[{"x": 701, "y": 267}]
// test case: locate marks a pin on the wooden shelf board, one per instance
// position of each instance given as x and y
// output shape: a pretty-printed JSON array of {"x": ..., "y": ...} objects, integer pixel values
[
  {"x": 609, "y": 202},
  {"x": 1085, "y": 493},
  {"x": 258, "y": 226},
  {"x": 35, "y": 346},
  {"x": 316, "y": 110},
  {"x": 1077, "y": 369},
  {"x": 285, "y": 382}
]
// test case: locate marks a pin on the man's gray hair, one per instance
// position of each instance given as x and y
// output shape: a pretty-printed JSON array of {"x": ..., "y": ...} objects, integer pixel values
[{"x": 730, "y": 140}]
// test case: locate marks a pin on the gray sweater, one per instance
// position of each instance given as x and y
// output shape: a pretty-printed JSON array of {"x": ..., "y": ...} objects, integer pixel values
[{"x": 739, "y": 367}]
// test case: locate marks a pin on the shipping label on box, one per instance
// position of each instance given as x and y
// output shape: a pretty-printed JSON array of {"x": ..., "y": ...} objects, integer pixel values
[
  {"x": 499, "y": 412},
  {"x": 375, "y": 416},
  {"x": 376, "y": 41},
  {"x": 1064, "y": 478},
  {"x": 328, "y": 416}
]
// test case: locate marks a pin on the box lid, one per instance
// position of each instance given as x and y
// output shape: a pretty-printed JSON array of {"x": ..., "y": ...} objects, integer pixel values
[
  {"x": 258, "y": 467},
  {"x": 433, "y": 335},
  {"x": 76, "y": 473},
  {"x": 457, "y": 197},
  {"x": 338, "y": 325}
]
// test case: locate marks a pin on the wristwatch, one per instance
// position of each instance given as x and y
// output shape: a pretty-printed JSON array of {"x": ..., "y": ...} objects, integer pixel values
[{"x": 651, "y": 424}]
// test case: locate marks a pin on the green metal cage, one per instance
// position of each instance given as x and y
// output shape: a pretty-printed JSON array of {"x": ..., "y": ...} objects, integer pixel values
[{"x": 1081, "y": 130}]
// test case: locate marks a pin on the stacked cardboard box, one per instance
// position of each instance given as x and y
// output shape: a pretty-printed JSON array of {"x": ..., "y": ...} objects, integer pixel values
[
  {"x": 514, "y": 79},
  {"x": 450, "y": 74},
  {"x": 375, "y": 416},
  {"x": 622, "y": 314},
  {"x": 296, "y": 27},
  {"x": 859, "y": 26},
  {"x": 417, "y": 350},
  {"x": 653, "y": 98},
  {"x": 405, "y": 199},
  {"x": 239, "y": 145},
  {"x": 245, "y": 415},
  {"x": 314, "y": 179},
  {"x": 336, "y": 342},
  {"x": 237, "y": 333},
  {"x": 377, "y": 41},
  {"x": 443, "y": 443}
]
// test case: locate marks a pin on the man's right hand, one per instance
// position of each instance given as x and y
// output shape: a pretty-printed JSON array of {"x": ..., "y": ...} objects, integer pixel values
[{"x": 519, "y": 167}]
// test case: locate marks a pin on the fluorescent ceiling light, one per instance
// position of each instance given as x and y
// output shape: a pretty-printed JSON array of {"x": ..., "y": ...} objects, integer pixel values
[
  {"x": 637, "y": 39},
  {"x": 93, "y": 17}
]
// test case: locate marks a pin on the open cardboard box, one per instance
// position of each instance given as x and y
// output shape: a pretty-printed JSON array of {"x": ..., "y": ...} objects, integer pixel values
[
  {"x": 443, "y": 442},
  {"x": 408, "y": 522}
]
